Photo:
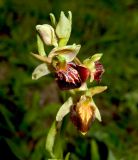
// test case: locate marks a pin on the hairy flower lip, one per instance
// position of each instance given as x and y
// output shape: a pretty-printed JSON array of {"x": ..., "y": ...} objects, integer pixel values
[
  {"x": 72, "y": 76},
  {"x": 83, "y": 72},
  {"x": 82, "y": 114},
  {"x": 68, "y": 78},
  {"x": 76, "y": 119}
]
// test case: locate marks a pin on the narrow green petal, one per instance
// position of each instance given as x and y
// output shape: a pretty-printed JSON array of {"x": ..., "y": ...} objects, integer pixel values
[
  {"x": 40, "y": 45},
  {"x": 41, "y": 58},
  {"x": 96, "y": 57},
  {"x": 70, "y": 16},
  {"x": 53, "y": 19}
]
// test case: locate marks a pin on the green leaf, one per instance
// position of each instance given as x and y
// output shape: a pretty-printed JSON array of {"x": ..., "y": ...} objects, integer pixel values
[
  {"x": 67, "y": 156},
  {"x": 97, "y": 113},
  {"x": 58, "y": 146},
  {"x": 111, "y": 155},
  {"x": 40, "y": 71},
  {"x": 7, "y": 116},
  {"x": 50, "y": 140},
  {"x": 94, "y": 151},
  {"x": 40, "y": 45},
  {"x": 20, "y": 152},
  {"x": 64, "y": 109}
]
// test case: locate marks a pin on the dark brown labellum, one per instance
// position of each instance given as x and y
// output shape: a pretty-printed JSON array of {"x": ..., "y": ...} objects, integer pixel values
[
  {"x": 83, "y": 72},
  {"x": 68, "y": 78}
]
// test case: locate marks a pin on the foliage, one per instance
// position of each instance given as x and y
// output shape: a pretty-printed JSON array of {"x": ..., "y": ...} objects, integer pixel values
[{"x": 28, "y": 107}]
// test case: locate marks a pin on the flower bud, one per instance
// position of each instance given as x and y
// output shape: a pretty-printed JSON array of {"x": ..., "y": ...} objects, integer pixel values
[{"x": 47, "y": 34}]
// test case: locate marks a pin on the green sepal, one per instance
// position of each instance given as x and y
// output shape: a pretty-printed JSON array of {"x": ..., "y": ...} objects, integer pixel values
[
  {"x": 96, "y": 57},
  {"x": 40, "y": 70},
  {"x": 96, "y": 90},
  {"x": 63, "y": 28},
  {"x": 64, "y": 109}
]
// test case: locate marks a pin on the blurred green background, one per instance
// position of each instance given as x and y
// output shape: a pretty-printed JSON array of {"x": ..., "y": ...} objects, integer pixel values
[{"x": 28, "y": 108}]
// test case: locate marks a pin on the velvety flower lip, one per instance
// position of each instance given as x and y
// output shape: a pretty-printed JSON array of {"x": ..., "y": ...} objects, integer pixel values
[
  {"x": 82, "y": 114},
  {"x": 99, "y": 71},
  {"x": 68, "y": 77},
  {"x": 72, "y": 76},
  {"x": 83, "y": 72}
]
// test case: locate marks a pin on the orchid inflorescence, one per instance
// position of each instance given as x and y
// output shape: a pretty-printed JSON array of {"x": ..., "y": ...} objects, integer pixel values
[{"x": 70, "y": 73}]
